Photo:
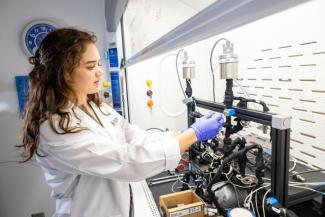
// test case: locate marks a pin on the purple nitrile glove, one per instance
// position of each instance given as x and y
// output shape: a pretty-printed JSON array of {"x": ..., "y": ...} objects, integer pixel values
[{"x": 208, "y": 126}]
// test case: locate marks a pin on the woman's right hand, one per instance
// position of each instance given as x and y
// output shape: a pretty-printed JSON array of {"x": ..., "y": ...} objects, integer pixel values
[
  {"x": 208, "y": 126},
  {"x": 204, "y": 128}
]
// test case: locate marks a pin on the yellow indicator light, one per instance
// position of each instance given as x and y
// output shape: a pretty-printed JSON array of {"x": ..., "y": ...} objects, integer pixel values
[
  {"x": 148, "y": 83},
  {"x": 106, "y": 84}
]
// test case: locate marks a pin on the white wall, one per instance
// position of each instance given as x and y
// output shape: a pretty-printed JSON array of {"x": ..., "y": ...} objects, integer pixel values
[
  {"x": 262, "y": 75},
  {"x": 23, "y": 190}
]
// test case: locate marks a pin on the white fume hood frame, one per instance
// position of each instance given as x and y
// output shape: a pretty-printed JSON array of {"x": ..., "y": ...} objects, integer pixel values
[{"x": 221, "y": 16}]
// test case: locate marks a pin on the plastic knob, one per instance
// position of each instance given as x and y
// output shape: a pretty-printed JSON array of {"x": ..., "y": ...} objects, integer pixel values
[
  {"x": 150, "y": 103},
  {"x": 231, "y": 112},
  {"x": 106, "y": 94},
  {"x": 148, "y": 83},
  {"x": 149, "y": 93},
  {"x": 180, "y": 167},
  {"x": 106, "y": 84}
]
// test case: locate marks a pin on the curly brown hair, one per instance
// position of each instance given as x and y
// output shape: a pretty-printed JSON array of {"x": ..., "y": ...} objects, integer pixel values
[{"x": 49, "y": 93}]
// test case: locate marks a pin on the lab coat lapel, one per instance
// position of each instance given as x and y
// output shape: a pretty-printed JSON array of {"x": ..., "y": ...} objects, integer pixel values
[
  {"x": 112, "y": 123},
  {"x": 104, "y": 118},
  {"x": 90, "y": 123}
]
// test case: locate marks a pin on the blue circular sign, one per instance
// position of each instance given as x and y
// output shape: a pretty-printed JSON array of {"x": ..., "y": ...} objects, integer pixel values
[{"x": 34, "y": 34}]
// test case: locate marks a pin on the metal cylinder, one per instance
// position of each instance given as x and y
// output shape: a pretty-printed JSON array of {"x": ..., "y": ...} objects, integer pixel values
[
  {"x": 228, "y": 66},
  {"x": 189, "y": 70}
]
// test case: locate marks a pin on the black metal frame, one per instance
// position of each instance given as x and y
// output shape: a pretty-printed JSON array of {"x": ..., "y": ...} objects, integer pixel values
[{"x": 280, "y": 146}]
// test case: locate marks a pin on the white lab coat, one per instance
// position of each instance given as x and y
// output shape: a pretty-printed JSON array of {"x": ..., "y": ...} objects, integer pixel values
[{"x": 89, "y": 172}]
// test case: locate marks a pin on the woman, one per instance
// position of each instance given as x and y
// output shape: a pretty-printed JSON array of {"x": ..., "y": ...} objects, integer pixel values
[{"x": 88, "y": 152}]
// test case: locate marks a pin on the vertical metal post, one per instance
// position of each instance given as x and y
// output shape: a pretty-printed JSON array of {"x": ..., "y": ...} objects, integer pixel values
[
  {"x": 228, "y": 101},
  {"x": 190, "y": 105},
  {"x": 280, "y": 158},
  {"x": 125, "y": 72}
]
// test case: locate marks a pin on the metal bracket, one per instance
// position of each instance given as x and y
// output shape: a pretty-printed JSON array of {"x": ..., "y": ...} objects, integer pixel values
[
  {"x": 187, "y": 100},
  {"x": 281, "y": 122}
]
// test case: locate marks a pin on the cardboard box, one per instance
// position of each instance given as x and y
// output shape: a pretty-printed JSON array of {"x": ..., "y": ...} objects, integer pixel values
[{"x": 184, "y": 203}]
